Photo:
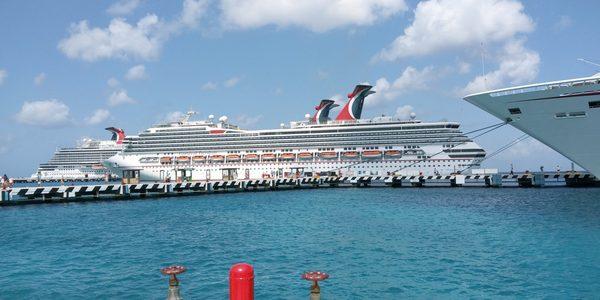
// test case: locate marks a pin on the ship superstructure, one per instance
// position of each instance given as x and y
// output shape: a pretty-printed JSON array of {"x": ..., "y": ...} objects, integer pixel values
[
  {"x": 83, "y": 162},
  {"x": 564, "y": 115},
  {"x": 348, "y": 145}
]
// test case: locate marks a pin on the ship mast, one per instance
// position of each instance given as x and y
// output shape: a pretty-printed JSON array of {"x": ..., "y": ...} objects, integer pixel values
[{"x": 187, "y": 116}]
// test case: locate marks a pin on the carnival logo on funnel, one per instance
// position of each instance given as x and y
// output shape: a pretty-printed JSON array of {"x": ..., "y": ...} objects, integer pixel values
[{"x": 353, "y": 108}]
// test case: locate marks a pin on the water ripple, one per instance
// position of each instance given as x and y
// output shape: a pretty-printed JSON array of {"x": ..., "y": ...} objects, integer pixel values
[{"x": 375, "y": 243}]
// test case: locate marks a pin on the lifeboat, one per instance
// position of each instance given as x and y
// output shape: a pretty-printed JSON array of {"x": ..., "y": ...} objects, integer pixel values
[
  {"x": 305, "y": 155},
  {"x": 97, "y": 167},
  {"x": 251, "y": 157},
  {"x": 199, "y": 158},
  {"x": 288, "y": 156},
  {"x": 393, "y": 153},
  {"x": 165, "y": 160},
  {"x": 183, "y": 159},
  {"x": 268, "y": 156},
  {"x": 233, "y": 157},
  {"x": 350, "y": 154},
  {"x": 216, "y": 158},
  {"x": 371, "y": 154},
  {"x": 328, "y": 154}
]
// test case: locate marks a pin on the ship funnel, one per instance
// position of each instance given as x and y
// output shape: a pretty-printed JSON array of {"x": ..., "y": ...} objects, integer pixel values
[
  {"x": 353, "y": 108},
  {"x": 322, "y": 114},
  {"x": 118, "y": 134}
]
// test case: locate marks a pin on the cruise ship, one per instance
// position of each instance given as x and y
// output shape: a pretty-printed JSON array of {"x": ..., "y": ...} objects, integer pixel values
[
  {"x": 83, "y": 162},
  {"x": 347, "y": 145},
  {"x": 564, "y": 115}
]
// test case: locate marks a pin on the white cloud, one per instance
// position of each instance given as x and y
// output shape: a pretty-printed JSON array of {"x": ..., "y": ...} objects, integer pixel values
[
  {"x": 404, "y": 112},
  {"x": 517, "y": 65},
  {"x": 231, "y": 82},
  {"x": 410, "y": 79},
  {"x": 174, "y": 116},
  {"x": 463, "y": 67},
  {"x": 192, "y": 12},
  {"x": 563, "y": 23},
  {"x": 123, "y": 7},
  {"x": 209, "y": 86},
  {"x": 3, "y": 75},
  {"x": 339, "y": 99},
  {"x": 142, "y": 40},
  {"x": 136, "y": 73},
  {"x": 120, "y": 97},
  {"x": 120, "y": 39},
  {"x": 112, "y": 82},
  {"x": 315, "y": 15},
  {"x": 40, "y": 78},
  {"x": 248, "y": 121},
  {"x": 99, "y": 116},
  {"x": 454, "y": 24},
  {"x": 45, "y": 113}
]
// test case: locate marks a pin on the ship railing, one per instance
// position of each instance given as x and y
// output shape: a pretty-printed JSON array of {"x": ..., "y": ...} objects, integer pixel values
[{"x": 545, "y": 86}]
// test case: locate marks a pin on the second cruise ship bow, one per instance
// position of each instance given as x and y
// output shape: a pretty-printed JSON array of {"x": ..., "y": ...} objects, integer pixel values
[
  {"x": 353, "y": 108},
  {"x": 321, "y": 116}
]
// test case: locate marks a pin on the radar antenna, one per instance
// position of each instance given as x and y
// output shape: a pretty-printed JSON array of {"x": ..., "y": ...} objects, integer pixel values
[{"x": 187, "y": 116}]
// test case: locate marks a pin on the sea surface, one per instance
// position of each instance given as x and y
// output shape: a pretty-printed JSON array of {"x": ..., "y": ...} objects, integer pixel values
[{"x": 377, "y": 243}]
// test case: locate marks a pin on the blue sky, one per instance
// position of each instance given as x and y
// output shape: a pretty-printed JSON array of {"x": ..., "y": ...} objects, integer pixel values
[{"x": 70, "y": 68}]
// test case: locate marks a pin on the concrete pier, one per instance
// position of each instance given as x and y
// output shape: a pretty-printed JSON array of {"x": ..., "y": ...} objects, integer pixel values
[{"x": 106, "y": 192}]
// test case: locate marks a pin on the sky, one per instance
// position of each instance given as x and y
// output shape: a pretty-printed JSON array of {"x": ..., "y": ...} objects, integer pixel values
[{"x": 70, "y": 68}]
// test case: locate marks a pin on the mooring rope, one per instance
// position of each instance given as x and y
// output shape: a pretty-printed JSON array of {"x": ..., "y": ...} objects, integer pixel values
[
  {"x": 504, "y": 148},
  {"x": 487, "y": 129}
]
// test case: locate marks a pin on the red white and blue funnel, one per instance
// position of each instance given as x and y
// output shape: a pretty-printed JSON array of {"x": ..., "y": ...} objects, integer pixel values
[
  {"x": 322, "y": 114},
  {"x": 353, "y": 108},
  {"x": 118, "y": 134}
]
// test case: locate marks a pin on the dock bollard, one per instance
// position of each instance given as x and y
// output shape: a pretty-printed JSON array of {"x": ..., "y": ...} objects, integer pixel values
[
  {"x": 173, "y": 282},
  {"x": 241, "y": 282},
  {"x": 315, "y": 277}
]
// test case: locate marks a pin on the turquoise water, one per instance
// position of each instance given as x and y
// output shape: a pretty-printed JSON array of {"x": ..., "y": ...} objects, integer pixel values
[{"x": 377, "y": 243}]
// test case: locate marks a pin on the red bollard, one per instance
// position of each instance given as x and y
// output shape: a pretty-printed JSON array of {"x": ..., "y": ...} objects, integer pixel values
[{"x": 241, "y": 282}]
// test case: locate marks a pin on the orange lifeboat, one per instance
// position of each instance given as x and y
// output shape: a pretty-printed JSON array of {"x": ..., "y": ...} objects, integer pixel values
[
  {"x": 328, "y": 154},
  {"x": 371, "y": 154},
  {"x": 288, "y": 156},
  {"x": 268, "y": 156},
  {"x": 233, "y": 157},
  {"x": 251, "y": 157},
  {"x": 165, "y": 160},
  {"x": 305, "y": 155},
  {"x": 199, "y": 158},
  {"x": 183, "y": 159},
  {"x": 97, "y": 167},
  {"x": 350, "y": 154},
  {"x": 393, "y": 153},
  {"x": 216, "y": 158}
]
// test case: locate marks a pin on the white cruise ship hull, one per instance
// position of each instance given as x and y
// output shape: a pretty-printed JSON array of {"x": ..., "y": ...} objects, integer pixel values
[
  {"x": 563, "y": 115},
  {"x": 348, "y": 146},
  {"x": 411, "y": 166},
  {"x": 77, "y": 173}
]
